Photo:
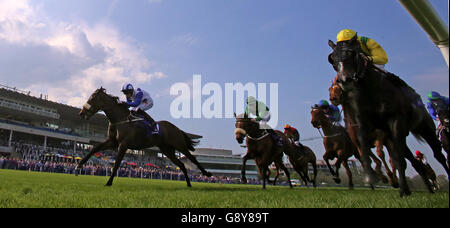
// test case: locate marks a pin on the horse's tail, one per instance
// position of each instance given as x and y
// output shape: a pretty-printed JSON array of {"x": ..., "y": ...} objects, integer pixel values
[{"x": 190, "y": 142}]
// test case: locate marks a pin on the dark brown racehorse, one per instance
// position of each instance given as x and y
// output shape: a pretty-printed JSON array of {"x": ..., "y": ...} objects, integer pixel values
[
  {"x": 300, "y": 157},
  {"x": 124, "y": 134},
  {"x": 337, "y": 144},
  {"x": 261, "y": 147},
  {"x": 380, "y": 100},
  {"x": 443, "y": 128},
  {"x": 378, "y": 137}
]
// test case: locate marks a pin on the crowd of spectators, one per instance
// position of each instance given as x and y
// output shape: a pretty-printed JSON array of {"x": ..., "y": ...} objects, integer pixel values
[
  {"x": 101, "y": 170},
  {"x": 35, "y": 158}
]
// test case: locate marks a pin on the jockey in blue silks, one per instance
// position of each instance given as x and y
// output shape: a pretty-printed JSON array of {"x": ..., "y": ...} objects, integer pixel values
[
  {"x": 436, "y": 101},
  {"x": 139, "y": 100},
  {"x": 331, "y": 111}
]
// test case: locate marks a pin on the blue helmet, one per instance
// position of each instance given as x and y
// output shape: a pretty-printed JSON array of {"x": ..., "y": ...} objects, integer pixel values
[
  {"x": 127, "y": 87},
  {"x": 323, "y": 104},
  {"x": 433, "y": 95}
]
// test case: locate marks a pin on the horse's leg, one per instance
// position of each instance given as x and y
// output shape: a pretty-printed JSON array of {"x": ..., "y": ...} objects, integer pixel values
[
  {"x": 194, "y": 160},
  {"x": 349, "y": 174},
  {"x": 338, "y": 165},
  {"x": 244, "y": 161},
  {"x": 394, "y": 179},
  {"x": 326, "y": 158},
  {"x": 108, "y": 144},
  {"x": 314, "y": 165},
  {"x": 286, "y": 171},
  {"x": 302, "y": 175},
  {"x": 398, "y": 147},
  {"x": 170, "y": 153},
  {"x": 365, "y": 152},
  {"x": 263, "y": 171},
  {"x": 381, "y": 155},
  {"x": 121, "y": 153},
  {"x": 378, "y": 167}
]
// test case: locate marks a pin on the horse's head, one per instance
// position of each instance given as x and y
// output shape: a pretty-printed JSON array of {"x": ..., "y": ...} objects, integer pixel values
[
  {"x": 336, "y": 94},
  {"x": 317, "y": 117},
  {"x": 97, "y": 101},
  {"x": 244, "y": 126},
  {"x": 347, "y": 59}
]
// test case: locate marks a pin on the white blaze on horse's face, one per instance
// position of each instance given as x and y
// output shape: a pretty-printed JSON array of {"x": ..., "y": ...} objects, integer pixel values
[
  {"x": 341, "y": 71},
  {"x": 240, "y": 131},
  {"x": 87, "y": 106}
]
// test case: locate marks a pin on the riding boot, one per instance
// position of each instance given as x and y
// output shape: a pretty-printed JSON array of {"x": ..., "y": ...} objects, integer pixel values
[
  {"x": 276, "y": 137},
  {"x": 147, "y": 117}
]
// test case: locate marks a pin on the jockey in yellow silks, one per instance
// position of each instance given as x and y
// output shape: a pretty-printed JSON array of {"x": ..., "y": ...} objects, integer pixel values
[{"x": 370, "y": 47}]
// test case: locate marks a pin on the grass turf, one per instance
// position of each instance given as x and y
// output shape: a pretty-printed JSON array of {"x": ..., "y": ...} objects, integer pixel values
[{"x": 36, "y": 190}]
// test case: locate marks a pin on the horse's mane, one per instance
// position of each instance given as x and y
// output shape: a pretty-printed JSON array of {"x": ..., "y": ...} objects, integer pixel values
[{"x": 115, "y": 99}]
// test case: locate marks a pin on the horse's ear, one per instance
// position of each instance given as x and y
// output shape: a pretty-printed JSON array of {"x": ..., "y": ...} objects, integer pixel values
[
  {"x": 245, "y": 115},
  {"x": 235, "y": 115},
  {"x": 331, "y": 44},
  {"x": 354, "y": 39}
]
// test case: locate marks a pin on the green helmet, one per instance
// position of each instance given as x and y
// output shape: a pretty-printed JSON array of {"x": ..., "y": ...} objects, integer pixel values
[{"x": 323, "y": 104}]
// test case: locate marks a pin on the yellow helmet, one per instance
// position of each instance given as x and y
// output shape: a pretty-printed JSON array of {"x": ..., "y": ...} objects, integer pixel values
[{"x": 346, "y": 34}]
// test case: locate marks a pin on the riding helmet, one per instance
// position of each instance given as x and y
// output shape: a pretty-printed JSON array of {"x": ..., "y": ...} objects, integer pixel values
[
  {"x": 323, "y": 104},
  {"x": 434, "y": 95},
  {"x": 127, "y": 87},
  {"x": 346, "y": 34}
]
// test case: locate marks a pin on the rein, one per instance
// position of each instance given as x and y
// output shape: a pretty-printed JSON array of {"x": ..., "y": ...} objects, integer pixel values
[
  {"x": 259, "y": 138},
  {"x": 127, "y": 121}
]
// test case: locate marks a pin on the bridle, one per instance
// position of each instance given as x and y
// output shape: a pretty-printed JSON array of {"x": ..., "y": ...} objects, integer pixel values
[{"x": 246, "y": 134}]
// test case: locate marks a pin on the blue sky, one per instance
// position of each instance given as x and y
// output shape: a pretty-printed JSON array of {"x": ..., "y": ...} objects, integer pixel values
[{"x": 156, "y": 43}]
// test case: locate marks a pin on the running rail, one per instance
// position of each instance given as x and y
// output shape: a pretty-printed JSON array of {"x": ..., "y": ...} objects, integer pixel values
[{"x": 426, "y": 16}]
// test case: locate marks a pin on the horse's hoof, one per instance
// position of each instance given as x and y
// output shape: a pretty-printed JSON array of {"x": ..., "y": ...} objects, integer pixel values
[
  {"x": 337, "y": 180},
  {"x": 394, "y": 184},
  {"x": 244, "y": 180},
  {"x": 405, "y": 192},
  {"x": 384, "y": 179},
  {"x": 108, "y": 184}
]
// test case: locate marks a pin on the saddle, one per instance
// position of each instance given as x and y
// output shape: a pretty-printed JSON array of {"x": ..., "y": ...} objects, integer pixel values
[{"x": 141, "y": 121}]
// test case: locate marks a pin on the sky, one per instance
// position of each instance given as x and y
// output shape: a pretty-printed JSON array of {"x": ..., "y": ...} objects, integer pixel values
[{"x": 67, "y": 49}]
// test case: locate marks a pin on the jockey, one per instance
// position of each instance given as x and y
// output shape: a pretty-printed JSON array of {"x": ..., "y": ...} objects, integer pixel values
[
  {"x": 293, "y": 133},
  {"x": 421, "y": 157},
  {"x": 435, "y": 100},
  {"x": 140, "y": 100},
  {"x": 331, "y": 111},
  {"x": 262, "y": 113},
  {"x": 370, "y": 47}
]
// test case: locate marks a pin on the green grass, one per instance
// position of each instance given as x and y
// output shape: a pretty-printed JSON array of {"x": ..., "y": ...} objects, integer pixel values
[{"x": 36, "y": 190}]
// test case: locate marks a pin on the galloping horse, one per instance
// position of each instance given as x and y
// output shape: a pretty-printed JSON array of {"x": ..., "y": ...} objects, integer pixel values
[
  {"x": 444, "y": 131},
  {"x": 300, "y": 158},
  {"x": 382, "y": 101},
  {"x": 124, "y": 134},
  {"x": 337, "y": 144},
  {"x": 261, "y": 147},
  {"x": 378, "y": 137}
]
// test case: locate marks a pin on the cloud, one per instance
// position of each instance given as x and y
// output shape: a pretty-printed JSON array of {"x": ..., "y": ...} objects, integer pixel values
[{"x": 66, "y": 60}]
